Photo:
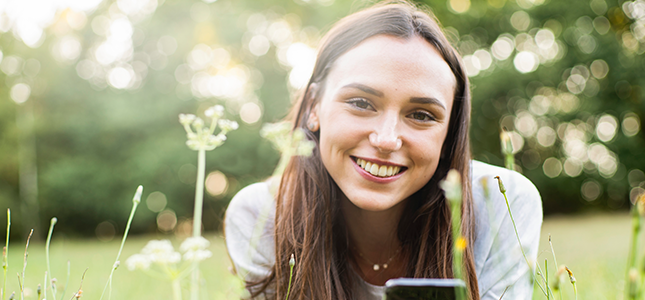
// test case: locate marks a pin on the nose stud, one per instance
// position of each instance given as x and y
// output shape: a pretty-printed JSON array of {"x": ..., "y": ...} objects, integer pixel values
[{"x": 385, "y": 144}]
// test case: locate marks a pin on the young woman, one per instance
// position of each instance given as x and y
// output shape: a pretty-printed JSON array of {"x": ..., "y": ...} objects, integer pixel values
[{"x": 388, "y": 108}]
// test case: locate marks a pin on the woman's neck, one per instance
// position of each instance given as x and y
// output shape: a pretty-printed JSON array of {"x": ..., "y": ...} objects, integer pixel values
[{"x": 373, "y": 241}]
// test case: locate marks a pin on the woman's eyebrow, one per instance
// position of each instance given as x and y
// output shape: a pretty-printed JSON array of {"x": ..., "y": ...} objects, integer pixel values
[
  {"x": 427, "y": 100},
  {"x": 364, "y": 88}
]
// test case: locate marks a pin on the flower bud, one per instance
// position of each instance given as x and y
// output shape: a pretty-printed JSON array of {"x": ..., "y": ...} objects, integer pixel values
[
  {"x": 292, "y": 260},
  {"x": 502, "y": 189},
  {"x": 53, "y": 221},
  {"x": 198, "y": 123},
  {"x": 186, "y": 119},
  {"x": 137, "y": 195},
  {"x": 227, "y": 125},
  {"x": 214, "y": 112},
  {"x": 571, "y": 277},
  {"x": 505, "y": 139}
]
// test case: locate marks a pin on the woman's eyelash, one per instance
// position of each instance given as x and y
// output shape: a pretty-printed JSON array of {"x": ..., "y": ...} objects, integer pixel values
[
  {"x": 360, "y": 103},
  {"x": 422, "y": 116}
]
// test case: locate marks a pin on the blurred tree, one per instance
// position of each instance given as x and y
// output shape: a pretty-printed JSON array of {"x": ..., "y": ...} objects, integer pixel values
[{"x": 107, "y": 79}]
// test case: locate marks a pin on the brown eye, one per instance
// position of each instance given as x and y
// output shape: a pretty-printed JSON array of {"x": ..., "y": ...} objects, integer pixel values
[
  {"x": 360, "y": 103},
  {"x": 421, "y": 116}
]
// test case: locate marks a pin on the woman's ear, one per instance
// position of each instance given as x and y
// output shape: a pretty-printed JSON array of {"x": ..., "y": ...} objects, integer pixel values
[{"x": 313, "y": 123}]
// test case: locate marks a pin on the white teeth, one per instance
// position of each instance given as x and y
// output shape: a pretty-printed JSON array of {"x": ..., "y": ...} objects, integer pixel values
[
  {"x": 382, "y": 171},
  {"x": 376, "y": 170}
]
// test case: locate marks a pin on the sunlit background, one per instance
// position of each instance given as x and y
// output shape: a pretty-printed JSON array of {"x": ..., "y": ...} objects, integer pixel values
[{"x": 92, "y": 90}]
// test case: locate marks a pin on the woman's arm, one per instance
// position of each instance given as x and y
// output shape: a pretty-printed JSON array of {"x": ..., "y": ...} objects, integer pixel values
[{"x": 501, "y": 266}]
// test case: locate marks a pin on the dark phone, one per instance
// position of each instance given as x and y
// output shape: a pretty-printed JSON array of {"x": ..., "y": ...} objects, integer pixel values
[{"x": 422, "y": 288}]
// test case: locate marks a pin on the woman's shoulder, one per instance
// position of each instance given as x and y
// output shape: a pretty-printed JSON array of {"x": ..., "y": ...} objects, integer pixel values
[
  {"x": 248, "y": 230},
  {"x": 249, "y": 199}
]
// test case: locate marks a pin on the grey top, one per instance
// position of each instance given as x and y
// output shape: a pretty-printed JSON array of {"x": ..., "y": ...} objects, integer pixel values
[{"x": 499, "y": 263}]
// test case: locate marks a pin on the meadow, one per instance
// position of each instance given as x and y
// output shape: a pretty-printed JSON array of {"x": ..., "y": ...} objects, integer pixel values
[{"x": 593, "y": 246}]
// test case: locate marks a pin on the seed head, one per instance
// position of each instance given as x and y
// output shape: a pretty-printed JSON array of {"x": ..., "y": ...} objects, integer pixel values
[
  {"x": 502, "y": 189},
  {"x": 137, "y": 195},
  {"x": 505, "y": 139},
  {"x": 292, "y": 260},
  {"x": 571, "y": 277},
  {"x": 452, "y": 185},
  {"x": 640, "y": 204}
]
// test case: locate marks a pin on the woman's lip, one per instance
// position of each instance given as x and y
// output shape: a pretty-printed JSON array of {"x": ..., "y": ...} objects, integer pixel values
[
  {"x": 370, "y": 177},
  {"x": 379, "y": 162}
]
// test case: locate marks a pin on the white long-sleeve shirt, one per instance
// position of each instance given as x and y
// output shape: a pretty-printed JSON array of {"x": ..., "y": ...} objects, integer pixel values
[{"x": 499, "y": 263}]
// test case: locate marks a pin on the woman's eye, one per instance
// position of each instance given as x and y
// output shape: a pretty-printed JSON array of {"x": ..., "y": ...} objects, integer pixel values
[
  {"x": 422, "y": 116},
  {"x": 360, "y": 103}
]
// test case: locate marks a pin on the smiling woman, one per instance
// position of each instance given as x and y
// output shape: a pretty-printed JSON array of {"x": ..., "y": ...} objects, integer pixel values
[{"x": 388, "y": 107}]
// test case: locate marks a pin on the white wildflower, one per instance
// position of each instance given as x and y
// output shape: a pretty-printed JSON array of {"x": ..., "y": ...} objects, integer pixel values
[
  {"x": 138, "y": 262},
  {"x": 227, "y": 125},
  {"x": 186, "y": 119},
  {"x": 214, "y": 112},
  {"x": 161, "y": 252},
  {"x": 194, "y": 243},
  {"x": 197, "y": 255},
  {"x": 198, "y": 123}
]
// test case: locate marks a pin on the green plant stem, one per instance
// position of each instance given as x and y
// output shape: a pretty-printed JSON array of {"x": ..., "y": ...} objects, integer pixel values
[
  {"x": 197, "y": 218},
  {"x": 517, "y": 235},
  {"x": 199, "y": 193},
  {"x": 176, "y": 289},
  {"x": 289, "y": 286},
  {"x": 66, "y": 280},
  {"x": 631, "y": 259},
  {"x": 135, "y": 203},
  {"x": 510, "y": 161},
  {"x": 49, "y": 239},
  {"x": 24, "y": 267},
  {"x": 555, "y": 261},
  {"x": 5, "y": 255}
]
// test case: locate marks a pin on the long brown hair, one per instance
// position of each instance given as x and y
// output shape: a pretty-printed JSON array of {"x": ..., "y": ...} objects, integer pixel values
[{"x": 308, "y": 220}]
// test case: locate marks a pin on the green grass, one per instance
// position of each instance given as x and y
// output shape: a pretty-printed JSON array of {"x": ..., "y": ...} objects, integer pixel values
[
  {"x": 595, "y": 247},
  {"x": 98, "y": 258}
]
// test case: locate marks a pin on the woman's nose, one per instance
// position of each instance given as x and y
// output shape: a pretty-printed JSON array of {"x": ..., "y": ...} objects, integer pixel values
[{"x": 386, "y": 137}]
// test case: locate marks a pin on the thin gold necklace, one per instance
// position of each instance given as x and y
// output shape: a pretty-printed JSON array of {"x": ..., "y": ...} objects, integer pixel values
[{"x": 376, "y": 266}]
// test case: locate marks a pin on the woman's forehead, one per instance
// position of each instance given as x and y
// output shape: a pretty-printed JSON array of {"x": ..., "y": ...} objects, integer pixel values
[{"x": 385, "y": 59}]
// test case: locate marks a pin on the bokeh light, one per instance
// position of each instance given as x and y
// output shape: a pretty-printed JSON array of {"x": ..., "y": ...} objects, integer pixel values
[
  {"x": 216, "y": 183},
  {"x": 156, "y": 201}
]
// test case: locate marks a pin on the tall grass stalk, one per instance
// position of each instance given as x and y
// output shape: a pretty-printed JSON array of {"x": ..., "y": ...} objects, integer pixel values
[
  {"x": 24, "y": 267},
  {"x": 555, "y": 261},
  {"x": 633, "y": 249},
  {"x": 49, "y": 271},
  {"x": 5, "y": 255},
  {"x": 502, "y": 189},
  {"x": 135, "y": 202}
]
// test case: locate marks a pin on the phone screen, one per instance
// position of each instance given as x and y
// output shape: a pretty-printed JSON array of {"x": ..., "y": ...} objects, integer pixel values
[{"x": 422, "y": 288}]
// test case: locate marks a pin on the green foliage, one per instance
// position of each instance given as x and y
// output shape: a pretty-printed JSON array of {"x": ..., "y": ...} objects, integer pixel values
[{"x": 94, "y": 141}]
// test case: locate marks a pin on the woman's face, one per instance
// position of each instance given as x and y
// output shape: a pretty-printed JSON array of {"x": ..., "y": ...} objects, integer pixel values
[{"x": 384, "y": 116}]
